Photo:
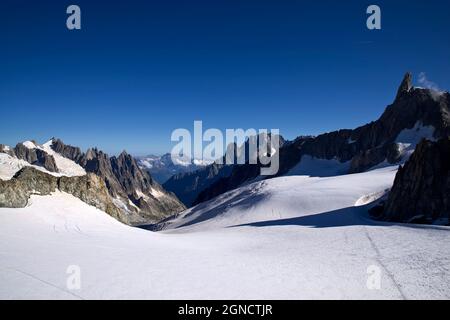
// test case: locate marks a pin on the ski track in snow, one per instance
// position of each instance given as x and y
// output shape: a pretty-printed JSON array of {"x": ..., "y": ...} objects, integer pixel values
[{"x": 291, "y": 237}]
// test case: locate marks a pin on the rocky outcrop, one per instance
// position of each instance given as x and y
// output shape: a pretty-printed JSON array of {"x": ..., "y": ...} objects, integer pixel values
[
  {"x": 140, "y": 198},
  {"x": 16, "y": 192},
  {"x": 421, "y": 190},
  {"x": 35, "y": 156},
  {"x": 405, "y": 86},
  {"x": 367, "y": 159},
  {"x": 129, "y": 176},
  {"x": 70, "y": 152}
]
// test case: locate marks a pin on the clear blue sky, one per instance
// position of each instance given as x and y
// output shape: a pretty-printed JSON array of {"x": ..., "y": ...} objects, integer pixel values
[{"x": 139, "y": 69}]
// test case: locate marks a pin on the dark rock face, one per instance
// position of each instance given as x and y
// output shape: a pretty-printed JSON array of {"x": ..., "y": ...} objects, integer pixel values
[
  {"x": 421, "y": 190},
  {"x": 36, "y": 157},
  {"x": 373, "y": 143},
  {"x": 125, "y": 182},
  {"x": 365, "y": 146},
  {"x": 72, "y": 153},
  {"x": 367, "y": 159},
  {"x": 15, "y": 193},
  {"x": 90, "y": 188},
  {"x": 406, "y": 85},
  {"x": 129, "y": 175}
]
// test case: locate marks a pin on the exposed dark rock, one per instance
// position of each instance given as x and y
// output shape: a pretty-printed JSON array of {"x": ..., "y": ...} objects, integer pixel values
[
  {"x": 16, "y": 192},
  {"x": 126, "y": 182},
  {"x": 36, "y": 157},
  {"x": 421, "y": 190},
  {"x": 406, "y": 85},
  {"x": 72, "y": 153},
  {"x": 367, "y": 159},
  {"x": 129, "y": 175}
]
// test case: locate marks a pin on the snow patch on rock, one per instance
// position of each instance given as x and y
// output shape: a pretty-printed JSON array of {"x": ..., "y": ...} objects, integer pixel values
[
  {"x": 408, "y": 139},
  {"x": 29, "y": 144},
  {"x": 65, "y": 166},
  {"x": 9, "y": 166}
]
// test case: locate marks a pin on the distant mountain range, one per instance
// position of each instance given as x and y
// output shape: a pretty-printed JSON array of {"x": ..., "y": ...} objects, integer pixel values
[{"x": 162, "y": 168}]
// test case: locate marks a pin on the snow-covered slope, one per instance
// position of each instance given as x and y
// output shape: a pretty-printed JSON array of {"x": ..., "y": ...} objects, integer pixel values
[
  {"x": 283, "y": 198},
  {"x": 303, "y": 238},
  {"x": 408, "y": 139},
  {"x": 10, "y": 165},
  {"x": 65, "y": 166}
]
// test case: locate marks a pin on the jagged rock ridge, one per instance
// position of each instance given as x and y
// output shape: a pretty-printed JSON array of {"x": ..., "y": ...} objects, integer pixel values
[
  {"x": 364, "y": 147},
  {"x": 133, "y": 193},
  {"x": 142, "y": 196}
]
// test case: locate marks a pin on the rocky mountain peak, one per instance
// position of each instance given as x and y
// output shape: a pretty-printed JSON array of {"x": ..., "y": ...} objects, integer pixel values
[{"x": 405, "y": 85}]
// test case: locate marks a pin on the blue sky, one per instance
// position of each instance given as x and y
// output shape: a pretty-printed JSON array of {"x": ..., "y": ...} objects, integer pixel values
[{"x": 139, "y": 69}]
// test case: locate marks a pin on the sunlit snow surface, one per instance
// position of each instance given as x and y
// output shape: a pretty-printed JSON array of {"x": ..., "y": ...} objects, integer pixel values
[{"x": 285, "y": 238}]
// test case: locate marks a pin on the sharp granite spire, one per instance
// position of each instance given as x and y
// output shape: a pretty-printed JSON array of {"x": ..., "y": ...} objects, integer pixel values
[{"x": 406, "y": 84}]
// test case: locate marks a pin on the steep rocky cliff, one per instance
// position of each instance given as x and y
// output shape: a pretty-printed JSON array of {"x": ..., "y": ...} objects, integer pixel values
[
  {"x": 33, "y": 156},
  {"x": 132, "y": 188},
  {"x": 421, "y": 190}
]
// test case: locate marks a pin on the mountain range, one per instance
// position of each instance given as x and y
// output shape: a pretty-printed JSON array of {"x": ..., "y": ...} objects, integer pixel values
[
  {"x": 416, "y": 113},
  {"x": 343, "y": 204},
  {"x": 162, "y": 168},
  {"x": 114, "y": 184},
  {"x": 126, "y": 187}
]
